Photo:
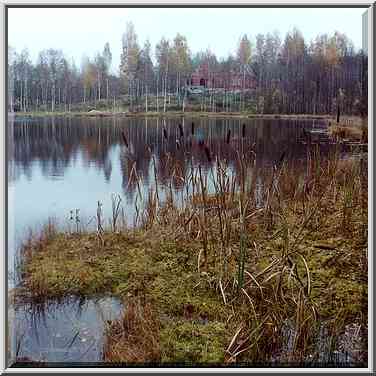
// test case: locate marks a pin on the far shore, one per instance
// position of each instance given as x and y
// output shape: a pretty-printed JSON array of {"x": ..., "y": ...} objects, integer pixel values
[
  {"x": 349, "y": 127},
  {"x": 190, "y": 114}
]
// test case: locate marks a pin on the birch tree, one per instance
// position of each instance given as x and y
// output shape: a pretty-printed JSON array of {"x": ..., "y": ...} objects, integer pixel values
[
  {"x": 244, "y": 56},
  {"x": 129, "y": 60},
  {"x": 162, "y": 53},
  {"x": 107, "y": 56},
  {"x": 146, "y": 71},
  {"x": 11, "y": 78}
]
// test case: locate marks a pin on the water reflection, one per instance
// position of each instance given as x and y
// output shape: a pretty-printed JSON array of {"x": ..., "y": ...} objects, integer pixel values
[
  {"x": 60, "y": 164},
  {"x": 53, "y": 145},
  {"x": 71, "y": 330}
]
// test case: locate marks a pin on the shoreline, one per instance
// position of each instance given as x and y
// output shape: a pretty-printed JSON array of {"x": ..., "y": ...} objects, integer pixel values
[
  {"x": 350, "y": 126},
  {"x": 190, "y": 114}
]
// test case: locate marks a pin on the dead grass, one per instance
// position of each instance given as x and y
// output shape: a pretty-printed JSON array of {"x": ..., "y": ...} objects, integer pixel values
[
  {"x": 220, "y": 278},
  {"x": 135, "y": 337},
  {"x": 359, "y": 134},
  {"x": 352, "y": 128}
]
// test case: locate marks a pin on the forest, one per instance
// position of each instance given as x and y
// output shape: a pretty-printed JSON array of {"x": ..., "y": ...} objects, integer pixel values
[{"x": 291, "y": 76}]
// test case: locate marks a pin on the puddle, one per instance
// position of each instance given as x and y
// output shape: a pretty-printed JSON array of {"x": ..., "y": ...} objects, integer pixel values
[{"x": 68, "y": 331}]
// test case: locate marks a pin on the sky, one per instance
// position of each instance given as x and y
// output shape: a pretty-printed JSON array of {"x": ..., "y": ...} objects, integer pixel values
[{"x": 83, "y": 32}]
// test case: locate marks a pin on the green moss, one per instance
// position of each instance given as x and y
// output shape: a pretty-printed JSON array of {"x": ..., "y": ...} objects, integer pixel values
[
  {"x": 74, "y": 265},
  {"x": 190, "y": 342},
  {"x": 179, "y": 295},
  {"x": 161, "y": 270}
]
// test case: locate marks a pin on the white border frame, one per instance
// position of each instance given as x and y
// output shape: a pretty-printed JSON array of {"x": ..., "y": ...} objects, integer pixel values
[
  {"x": 370, "y": 186},
  {"x": 3, "y": 220}
]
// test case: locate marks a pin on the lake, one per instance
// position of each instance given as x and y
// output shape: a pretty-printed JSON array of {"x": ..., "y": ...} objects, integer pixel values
[{"x": 60, "y": 165}]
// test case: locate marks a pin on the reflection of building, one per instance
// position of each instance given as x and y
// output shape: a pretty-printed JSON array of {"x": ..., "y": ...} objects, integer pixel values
[{"x": 202, "y": 76}]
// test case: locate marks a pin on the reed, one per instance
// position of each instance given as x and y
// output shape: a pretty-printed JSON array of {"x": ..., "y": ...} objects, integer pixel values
[
  {"x": 228, "y": 137},
  {"x": 271, "y": 259},
  {"x": 134, "y": 339},
  {"x": 181, "y": 131},
  {"x": 116, "y": 208}
]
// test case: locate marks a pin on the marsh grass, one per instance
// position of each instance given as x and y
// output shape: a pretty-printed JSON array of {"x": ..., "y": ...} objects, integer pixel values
[
  {"x": 350, "y": 128},
  {"x": 134, "y": 338},
  {"x": 218, "y": 274}
]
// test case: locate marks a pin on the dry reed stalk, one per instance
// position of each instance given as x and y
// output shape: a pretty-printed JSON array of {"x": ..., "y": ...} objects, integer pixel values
[
  {"x": 134, "y": 339},
  {"x": 203, "y": 219},
  {"x": 116, "y": 202}
]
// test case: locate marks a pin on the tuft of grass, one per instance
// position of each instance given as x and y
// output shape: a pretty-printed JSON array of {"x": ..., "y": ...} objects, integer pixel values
[
  {"x": 353, "y": 133},
  {"x": 135, "y": 337}
]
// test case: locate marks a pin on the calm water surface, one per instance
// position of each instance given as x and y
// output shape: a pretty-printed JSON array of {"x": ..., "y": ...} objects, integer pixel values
[{"x": 61, "y": 164}]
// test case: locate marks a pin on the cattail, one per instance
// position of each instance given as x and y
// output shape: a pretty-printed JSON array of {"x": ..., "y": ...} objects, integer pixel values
[
  {"x": 125, "y": 139},
  {"x": 243, "y": 131},
  {"x": 181, "y": 131},
  {"x": 193, "y": 129},
  {"x": 282, "y": 157},
  {"x": 207, "y": 152},
  {"x": 307, "y": 136},
  {"x": 228, "y": 136},
  {"x": 165, "y": 133}
]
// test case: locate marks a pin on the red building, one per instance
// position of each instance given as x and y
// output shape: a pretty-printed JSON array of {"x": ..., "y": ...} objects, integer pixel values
[{"x": 202, "y": 76}]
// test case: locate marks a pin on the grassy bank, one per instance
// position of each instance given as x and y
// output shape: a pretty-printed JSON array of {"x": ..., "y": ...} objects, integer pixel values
[
  {"x": 352, "y": 128},
  {"x": 218, "y": 277},
  {"x": 173, "y": 114}
]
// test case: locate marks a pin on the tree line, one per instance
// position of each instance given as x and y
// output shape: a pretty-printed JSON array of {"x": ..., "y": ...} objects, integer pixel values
[{"x": 291, "y": 75}]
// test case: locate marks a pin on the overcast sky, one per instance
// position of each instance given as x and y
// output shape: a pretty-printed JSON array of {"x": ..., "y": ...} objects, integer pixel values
[{"x": 80, "y": 32}]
